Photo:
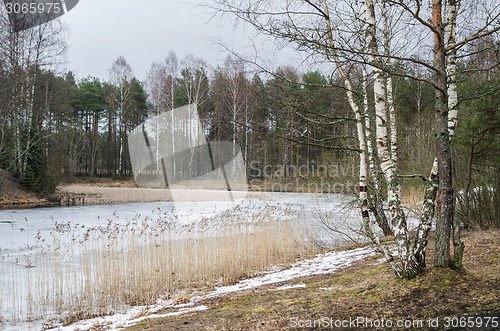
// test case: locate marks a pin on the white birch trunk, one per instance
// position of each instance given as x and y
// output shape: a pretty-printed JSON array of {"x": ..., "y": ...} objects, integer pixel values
[
  {"x": 387, "y": 162},
  {"x": 372, "y": 161},
  {"x": 246, "y": 130},
  {"x": 173, "y": 123},
  {"x": 120, "y": 123},
  {"x": 25, "y": 147},
  {"x": 374, "y": 167},
  {"x": 18, "y": 132},
  {"x": 457, "y": 226},
  {"x": 428, "y": 210},
  {"x": 363, "y": 195},
  {"x": 393, "y": 142},
  {"x": 452, "y": 68}
]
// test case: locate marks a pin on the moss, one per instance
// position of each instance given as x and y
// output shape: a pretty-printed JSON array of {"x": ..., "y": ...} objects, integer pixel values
[
  {"x": 261, "y": 310},
  {"x": 314, "y": 303}
]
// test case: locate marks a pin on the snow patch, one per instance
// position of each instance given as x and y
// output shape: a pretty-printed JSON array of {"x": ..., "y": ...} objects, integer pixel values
[{"x": 288, "y": 286}]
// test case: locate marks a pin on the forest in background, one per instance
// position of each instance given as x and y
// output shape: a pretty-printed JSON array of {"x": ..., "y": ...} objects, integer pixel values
[{"x": 55, "y": 127}]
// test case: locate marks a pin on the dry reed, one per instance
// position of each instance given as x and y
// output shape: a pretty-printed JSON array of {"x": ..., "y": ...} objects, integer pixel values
[{"x": 104, "y": 269}]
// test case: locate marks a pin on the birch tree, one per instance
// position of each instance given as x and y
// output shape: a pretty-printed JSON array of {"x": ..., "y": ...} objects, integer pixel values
[
  {"x": 24, "y": 54},
  {"x": 299, "y": 22},
  {"x": 162, "y": 86},
  {"x": 377, "y": 204},
  {"x": 121, "y": 101},
  {"x": 387, "y": 156},
  {"x": 453, "y": 113},
  {"x": 440, "y": 186},
  {"x": 194, "y": 88},
  {"x": 232, "y": 94}
]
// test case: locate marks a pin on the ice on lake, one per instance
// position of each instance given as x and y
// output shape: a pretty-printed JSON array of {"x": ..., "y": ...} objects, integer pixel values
[{"x": 25, "y": 234}]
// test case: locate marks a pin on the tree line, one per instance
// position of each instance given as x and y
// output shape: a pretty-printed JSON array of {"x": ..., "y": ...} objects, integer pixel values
[{"x": 386, "y": 108}]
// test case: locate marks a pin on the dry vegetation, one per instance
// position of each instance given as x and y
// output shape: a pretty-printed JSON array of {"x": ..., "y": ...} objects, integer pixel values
[
  {"x": 101, "y": 270},
  {"x": 412, "y": 197},
  {"x": 82, "y": 195},
  {"x": 100, "y": 181},
  {"x": 364, "y": 290}
]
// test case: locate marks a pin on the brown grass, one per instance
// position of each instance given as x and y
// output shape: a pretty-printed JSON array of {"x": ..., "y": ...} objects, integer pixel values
[
  {"x": 81, "y": 195},
  {"x": 364, "y": 290},
  {"x": 412, "y": 197},
  {"x": 113, "y": 267}
]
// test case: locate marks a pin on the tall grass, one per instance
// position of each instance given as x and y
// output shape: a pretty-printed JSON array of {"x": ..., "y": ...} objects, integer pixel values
[
  {"x": 79, "y": 195},
  {"x": 90, "y": 272}
]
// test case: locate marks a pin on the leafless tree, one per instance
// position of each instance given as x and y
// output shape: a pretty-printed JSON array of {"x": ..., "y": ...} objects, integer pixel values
[
  {"x": 23, "y": 55},
  {"x": 120, "y": 100},
  {"x": 335, "y": 30}
]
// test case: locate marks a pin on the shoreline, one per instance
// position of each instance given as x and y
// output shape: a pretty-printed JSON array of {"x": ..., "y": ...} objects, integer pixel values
[
  {"x": 90, "y": 195},
  {"x": 101, "y": 191},
  {"x": 21, "y": 205},
  {"x": 87, "y": 195}
]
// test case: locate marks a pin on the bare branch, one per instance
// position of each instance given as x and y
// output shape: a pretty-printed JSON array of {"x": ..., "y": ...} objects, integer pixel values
[{"x": 468, "y": 40}]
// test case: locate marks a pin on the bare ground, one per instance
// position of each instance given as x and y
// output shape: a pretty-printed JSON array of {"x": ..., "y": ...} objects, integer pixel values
[
  {"x": 365, "y": 290},
  {"x": 13, "y": 195}
]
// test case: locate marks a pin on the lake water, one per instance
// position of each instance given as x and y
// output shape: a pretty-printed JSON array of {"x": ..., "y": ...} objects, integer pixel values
[{"x": 26, "y": 234}]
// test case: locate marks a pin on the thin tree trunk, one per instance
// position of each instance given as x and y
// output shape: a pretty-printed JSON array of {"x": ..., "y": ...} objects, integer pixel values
[
  {"x": 428, "y": 210},
  {"x": 445, "y": 191},
  {"x": 374, "y": 166},
  {"x": 469, "y": 180},
  {"x": 28, "y": 126},
  {"x": 378, "y": 203},
  {"x": 173, "y": 133},
  {"x": 457, "y": 225},
  {"x": 363, "y": 194},
  {"x": 389, "y": 91},
  {"x": 387, "y": 161}
]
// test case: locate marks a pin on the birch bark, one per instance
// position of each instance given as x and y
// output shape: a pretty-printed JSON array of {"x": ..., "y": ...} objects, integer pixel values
[
  {"x": 387, "y": 161},
  {"x": 377, "y": 206},
  {"x": 458, "y": 245},
  {"x": 363, "y": 194}
]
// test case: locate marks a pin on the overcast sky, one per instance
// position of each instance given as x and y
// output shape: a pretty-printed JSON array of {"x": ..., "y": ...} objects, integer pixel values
[{"x": 142, "y": 31}]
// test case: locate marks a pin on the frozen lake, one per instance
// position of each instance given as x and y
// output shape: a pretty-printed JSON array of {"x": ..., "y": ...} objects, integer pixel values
[
  {"x": 20, "y": 228},
  {"x": 29, "y": 237}
]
